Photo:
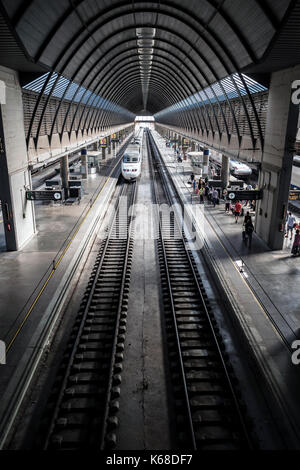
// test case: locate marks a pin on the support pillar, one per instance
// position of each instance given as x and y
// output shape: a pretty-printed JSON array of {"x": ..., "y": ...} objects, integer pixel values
[
  {"x": 193, "y": 146},
  {"x": 277, "y": 160},
  {"x": 64, "y": 173},
  {"x": 84, "y": 164},
  {"x": 103, "y": 153},
  {"x": 109, "y": 145},
  {"x": 225, "y": 171},
  {"x": 18, "y": 213}
]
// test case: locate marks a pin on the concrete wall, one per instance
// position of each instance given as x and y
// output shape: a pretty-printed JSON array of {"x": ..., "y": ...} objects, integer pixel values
[
  {"x": 276, "y": 158},
  {"x": 16, "y": 158},
  {"x": 277, "y": 161},
  {"x": 44, "y": 151},
  {"x": 242, "y": 150}
]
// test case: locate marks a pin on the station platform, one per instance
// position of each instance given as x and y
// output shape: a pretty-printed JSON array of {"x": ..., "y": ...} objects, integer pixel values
[
  {"x": 260, "y": 289},
  {"x": 42, "y": 273}
]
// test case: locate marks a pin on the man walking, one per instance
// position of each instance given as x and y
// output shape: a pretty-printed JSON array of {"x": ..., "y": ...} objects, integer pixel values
[
  {"x": 215, "y": 196},
  {"x": 290, "y": 225}
]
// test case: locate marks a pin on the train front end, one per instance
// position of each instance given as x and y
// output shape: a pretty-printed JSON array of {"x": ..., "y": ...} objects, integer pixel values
[{"x": 131, "y": 166}]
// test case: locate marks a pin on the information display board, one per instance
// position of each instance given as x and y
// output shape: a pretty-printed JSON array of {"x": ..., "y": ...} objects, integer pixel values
[
  {"x": 44, "y": 195},
  {"x": 244, "y": 195}
]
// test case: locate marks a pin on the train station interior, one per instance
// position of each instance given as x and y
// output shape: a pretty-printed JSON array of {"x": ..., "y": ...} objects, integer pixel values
[{"x": 150, "y": 226}]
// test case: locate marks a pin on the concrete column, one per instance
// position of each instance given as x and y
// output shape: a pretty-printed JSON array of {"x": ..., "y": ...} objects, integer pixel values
[
  {"x": 225, "y": 171},
  {"x": 84, "y": 164},
  {"x": 277, "y": 160},
  {"x": 109, "y": 145},
  {"x": 103, "y": 153},
  {"x": 193, "y": 145},
  {"x": 64, "y": 173},
  {"x": 18, "y": 213}
]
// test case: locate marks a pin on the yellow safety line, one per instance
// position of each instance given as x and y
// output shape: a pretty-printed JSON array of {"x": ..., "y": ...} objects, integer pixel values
[{"x": 56, "y": 265}]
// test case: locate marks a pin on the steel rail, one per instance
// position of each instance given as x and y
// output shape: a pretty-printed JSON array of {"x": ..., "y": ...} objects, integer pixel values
[
  {"x": 67, "y": 371},
  {"x": 186, "y": 394},
  {"x": 243, "y": 425},
  {"x": 112, "y": 364}
]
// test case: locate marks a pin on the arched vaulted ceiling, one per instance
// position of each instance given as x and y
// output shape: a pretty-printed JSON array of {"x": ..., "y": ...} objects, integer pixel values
[{"x": 146, "y": 55}]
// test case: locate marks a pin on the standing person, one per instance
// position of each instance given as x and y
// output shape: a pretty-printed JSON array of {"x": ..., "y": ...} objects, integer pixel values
[
  {"x": 194, "y": 185},
  {"x": 209, "y": 196},
  {"x": 249, "y": 230},
  {"x": 215, "y": 196},
  {"x": 237, "y": 210},
  {"x": 227, "y": 204},
  {"x": 201, "y": 190},
  {"x": 247, "y": 217},
  {"x": 296, "y": 244},
  {"x": 192, "y": 177},
  {"x": 290, "y": 225},
  {"x": 226, "y": 200},
  {"x": 206, "y": 189}
]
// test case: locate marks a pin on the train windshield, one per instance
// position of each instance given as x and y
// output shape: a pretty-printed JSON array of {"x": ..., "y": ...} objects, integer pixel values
[{"x": 130, "y": 159}]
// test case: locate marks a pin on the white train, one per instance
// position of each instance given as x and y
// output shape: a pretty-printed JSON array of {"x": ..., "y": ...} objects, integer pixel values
[
  {"x": 131, "y": 163},
  {"x": 132, "y": 159},
  {"x": 236, "y": 168}
]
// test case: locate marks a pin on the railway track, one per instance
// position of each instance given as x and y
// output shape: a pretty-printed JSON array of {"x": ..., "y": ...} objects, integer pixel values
[
  {"x": 208, "y": 410},
  {"x": 82, "y": 410}
]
